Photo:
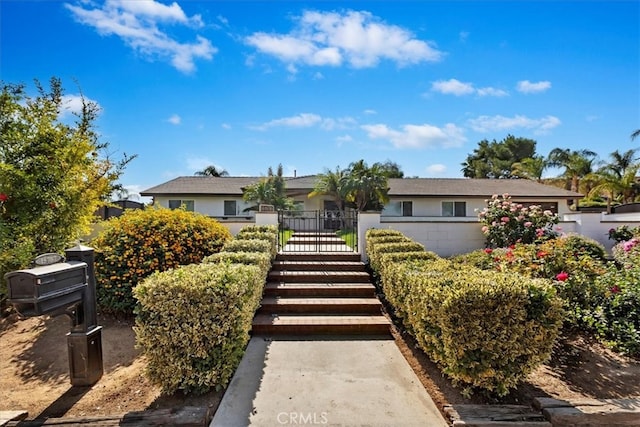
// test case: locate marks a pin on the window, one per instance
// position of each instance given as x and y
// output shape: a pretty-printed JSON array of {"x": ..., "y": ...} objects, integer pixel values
[
  {"x": 176, "y": 204},
  {"x": 407, "y": 208},
  {"x": 230, "y": 208},
  {"x": 454, "y": 208}
]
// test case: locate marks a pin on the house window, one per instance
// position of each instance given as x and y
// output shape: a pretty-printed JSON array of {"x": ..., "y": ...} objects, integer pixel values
[
  {"x": 230, "y": 208},
  {"x": 454, "y": 208},
  {"x": 177, "y": 203},
  {"x": 407, "y": 208}
]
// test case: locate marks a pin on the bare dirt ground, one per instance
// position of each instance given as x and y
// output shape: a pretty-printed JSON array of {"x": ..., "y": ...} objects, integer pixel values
[{"x": 34, "y": 373}]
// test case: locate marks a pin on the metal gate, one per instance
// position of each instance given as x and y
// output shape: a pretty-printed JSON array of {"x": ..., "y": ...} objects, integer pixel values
[{"x": 318, "y": 231}]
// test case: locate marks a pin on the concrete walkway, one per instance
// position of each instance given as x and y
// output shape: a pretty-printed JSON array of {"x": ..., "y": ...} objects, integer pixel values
[{"x": 325, "y": 381}]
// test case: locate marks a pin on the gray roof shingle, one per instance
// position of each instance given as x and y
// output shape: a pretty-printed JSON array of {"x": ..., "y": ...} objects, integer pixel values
[{"x": 415, "y": 187}]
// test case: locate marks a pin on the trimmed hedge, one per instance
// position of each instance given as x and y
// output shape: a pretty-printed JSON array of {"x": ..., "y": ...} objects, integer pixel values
[
  {"x": 193, "y": 323},
  {"x": 485, "y": 329}
]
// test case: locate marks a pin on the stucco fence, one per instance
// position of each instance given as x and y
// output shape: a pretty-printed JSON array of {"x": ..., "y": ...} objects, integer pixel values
[{"x": 460, "y": 235}]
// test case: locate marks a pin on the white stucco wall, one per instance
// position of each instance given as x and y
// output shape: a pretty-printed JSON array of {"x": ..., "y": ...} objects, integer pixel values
[{"x": 209, "y": 205}]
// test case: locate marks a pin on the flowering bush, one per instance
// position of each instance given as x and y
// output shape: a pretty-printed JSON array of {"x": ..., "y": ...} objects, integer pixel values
[
  {"x": 506, "y": 223},
  {"x": 623, "y": 233},
  {"x": 618, "y": 320},
  {"x": 627, "y": 253},
  {"x": 140, "y": 242}
]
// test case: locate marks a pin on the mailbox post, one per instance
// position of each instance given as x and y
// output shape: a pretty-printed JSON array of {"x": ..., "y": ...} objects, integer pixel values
[{"x": 57, "y": 287}]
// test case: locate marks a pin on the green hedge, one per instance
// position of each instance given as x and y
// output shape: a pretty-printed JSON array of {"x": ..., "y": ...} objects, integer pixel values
[
  {"x": 193, "y": 323},
  {"x": 259, "y": 259},
  {"x": 485, "y": 329}
]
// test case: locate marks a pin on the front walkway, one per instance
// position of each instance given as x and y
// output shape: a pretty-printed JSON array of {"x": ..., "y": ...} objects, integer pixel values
[{"x": 325, "y": 381}]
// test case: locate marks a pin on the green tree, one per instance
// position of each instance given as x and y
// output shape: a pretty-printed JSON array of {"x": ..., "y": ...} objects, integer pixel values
[
  {"x": 391, "y": 169},
  {"x": 366, "y": 187},
  {"x": 635, "y": 134},
  {"x": 495, "y": 159},
  {"x": 53, "y": 175},
  {"x": 577, "y": 164},
  {"x": 332, "y": 184},
  {"x": 211, "y": 170},
  {"x": 270, "y": 190},
  {"x": 623, "y": 188},
  {"x": 529, "y": 168}
]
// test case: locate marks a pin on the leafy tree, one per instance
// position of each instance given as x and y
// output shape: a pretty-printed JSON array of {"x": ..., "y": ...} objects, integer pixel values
[
  {"x": 53, "y": 175},
  {"x": 635, "y": 134},
  {"x": 495, "y": 159},
  {"x": 366, "y": 187},
  {"x": 270, "y": 190},
  {"x": 529, "y": 168},
  {"x": 620, "y": 162},
  {"x": 211, "y": 170},
  {"x": 332, "y": 183},
  {"x": 391, "y": 169},
  {"x": 577, "y": 164}
]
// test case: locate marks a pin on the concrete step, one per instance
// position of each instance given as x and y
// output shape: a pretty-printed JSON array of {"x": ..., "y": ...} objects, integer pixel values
[
  {"x": 320, "y": 289},
  {"x": 320, "y": 325},
  {"x": 319, "y": 276},
  {"x": 318, "y": 256},
  {"x": 303, "y": 265},
  {"x": 319, "y": 305}
]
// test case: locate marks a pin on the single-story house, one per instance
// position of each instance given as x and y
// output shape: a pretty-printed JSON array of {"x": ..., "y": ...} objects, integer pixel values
[{"x": 410, "y": 199}]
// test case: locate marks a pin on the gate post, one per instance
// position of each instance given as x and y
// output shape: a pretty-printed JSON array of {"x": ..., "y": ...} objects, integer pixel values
[{"x": 366, "y": 220}]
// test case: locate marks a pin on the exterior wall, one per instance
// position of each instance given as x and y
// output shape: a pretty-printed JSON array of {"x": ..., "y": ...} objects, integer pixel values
[
  {"x": 445, "y": 238},
  {"x": 597, "y": 225},
  {"x": 427, "y": 207},
  {"x": 211, "y": 205}
]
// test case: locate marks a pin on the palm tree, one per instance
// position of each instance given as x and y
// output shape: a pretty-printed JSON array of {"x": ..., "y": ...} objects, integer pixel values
[
  {"x": 530, "y": 168},
  {"x": 366, "y": 187},
  {"x": 211, "y": 170},
  {"x": 620, "y": 162},
  {"x": 577, "y": 164},
  {"x": 270, "y": 190},
  {"x": 635, "y": 134},
  {"x": 624, "y": 187},
  {"x": 332, "y": 184}
]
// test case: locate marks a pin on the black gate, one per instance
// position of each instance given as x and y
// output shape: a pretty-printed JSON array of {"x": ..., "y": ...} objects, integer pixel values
[{"x": 318, "y": 231}]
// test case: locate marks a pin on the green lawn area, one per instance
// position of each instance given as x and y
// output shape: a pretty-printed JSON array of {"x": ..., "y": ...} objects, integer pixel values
[
  {"x": 284, "y": 236},
  {"x": 349, "y": 236}
]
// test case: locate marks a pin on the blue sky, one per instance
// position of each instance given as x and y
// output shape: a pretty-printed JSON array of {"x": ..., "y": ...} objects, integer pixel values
[{"x": 246, "y": 85}]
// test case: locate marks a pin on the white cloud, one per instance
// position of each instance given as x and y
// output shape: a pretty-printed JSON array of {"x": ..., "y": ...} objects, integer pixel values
[
  {"x": 458, "y": 88},
  {"x": 463, "y": 36},
  {"x": 501, "y": 123},
  {"x": 525, "y": 86},
  {"x": 72, "y": 104},
  {"x": 452, "y": 87},
  {"x": 356, "y": 38},
  {"x": 369, "y": 111},
  {"x": 344, "y": 138},
  {"x": 226, "y": 126},
  {"x": 436, "y": 169},
  {"x": 318, "y": 76},
  {"x": 306, "y": 120},
  {"x": 491, "y": 91},
  {"x": 174, "y": 119},
  {"x": 418, "y": 136},
  {"x": 137, "y": 24}
]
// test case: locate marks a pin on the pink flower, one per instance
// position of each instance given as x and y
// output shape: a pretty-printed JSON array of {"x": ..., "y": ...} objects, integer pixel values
[
  {"x": 528, "y": 224},
  {"x": 485, "y": 229},
  {"x": 504, "y": 219},
  {"x": 3, "y": 197},
  {"x": 629, "y": 244},
  {"x": 562, "y": 276},
  {"x": 615, "y": 289},
  {"x": 488, "y": 251}
]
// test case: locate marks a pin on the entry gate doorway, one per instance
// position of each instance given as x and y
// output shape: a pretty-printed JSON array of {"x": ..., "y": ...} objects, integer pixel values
[{"x": 318, "y": 231}]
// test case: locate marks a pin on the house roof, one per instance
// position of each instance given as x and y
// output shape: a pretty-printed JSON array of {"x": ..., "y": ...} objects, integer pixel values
[
  {"x": 466, "y": 187},
  {"x": 398, "y": 187}
]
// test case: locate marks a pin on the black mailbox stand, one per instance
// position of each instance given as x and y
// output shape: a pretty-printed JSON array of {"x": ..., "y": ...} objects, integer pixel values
[
  {"x": 57, "y": 287},
  {"x": 84, "y": 342}
]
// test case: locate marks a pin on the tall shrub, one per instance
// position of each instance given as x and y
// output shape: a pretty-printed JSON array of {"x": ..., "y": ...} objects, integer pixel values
[
  {"x": 506, "y": 223},
  {"x": 193, "y": 323},
  {"x": 141, "y": 242}
]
